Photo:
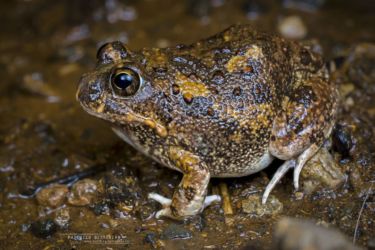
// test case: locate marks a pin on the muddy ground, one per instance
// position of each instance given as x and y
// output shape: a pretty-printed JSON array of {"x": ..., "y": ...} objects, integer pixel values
[{"x": 45, "y": 136}]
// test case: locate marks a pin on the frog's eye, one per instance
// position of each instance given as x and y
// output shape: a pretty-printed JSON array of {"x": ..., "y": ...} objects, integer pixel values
[{"x": 125, "y": 82}]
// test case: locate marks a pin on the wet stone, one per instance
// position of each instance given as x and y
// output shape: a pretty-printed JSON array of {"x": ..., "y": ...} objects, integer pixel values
[
  {"x": 83, "y": 192},
  {"x": 321, "y": 171},
  {"x": 62, "y": 218},
  {"x": 52, "y": 196},
  {"x": 44, "y": 228},
  {"x": 253, "y": 205},
  {"x": 174, "y": 231}
]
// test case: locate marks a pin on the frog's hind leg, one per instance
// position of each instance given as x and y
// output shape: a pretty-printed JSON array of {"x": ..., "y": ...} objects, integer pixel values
[{"x": 307, "y": 117}]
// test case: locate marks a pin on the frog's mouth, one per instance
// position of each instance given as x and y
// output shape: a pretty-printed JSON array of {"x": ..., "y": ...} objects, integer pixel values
[
  {"x": 108, "y": 111},
  {"x": 131, "y": 117}
]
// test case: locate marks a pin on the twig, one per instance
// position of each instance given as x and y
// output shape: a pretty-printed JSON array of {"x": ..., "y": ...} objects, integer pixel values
[
  {"x": 227, "y": 206},
  {"x": 361, "y": 211}
]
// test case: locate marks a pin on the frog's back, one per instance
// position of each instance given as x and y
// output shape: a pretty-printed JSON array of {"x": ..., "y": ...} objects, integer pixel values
[
  {"x": 239, "y": 61},
  {"x": 226, "y": 93},
  {"x": 220, "y": 96}
]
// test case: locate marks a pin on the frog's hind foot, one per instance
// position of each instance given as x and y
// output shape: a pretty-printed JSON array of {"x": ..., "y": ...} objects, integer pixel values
[
  {"x": 281, "y": 171},
  {"x": 164, "y": 201},
  {"x": 297, "y": 164}
]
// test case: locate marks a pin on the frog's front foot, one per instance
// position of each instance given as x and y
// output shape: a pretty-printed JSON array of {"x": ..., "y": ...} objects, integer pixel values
[
  {"x": 166, "y": 203},
  {"x": 189, "y": 197}
]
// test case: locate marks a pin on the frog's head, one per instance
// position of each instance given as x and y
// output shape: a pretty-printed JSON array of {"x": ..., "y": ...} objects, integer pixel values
[{"x": 118, "y": 90}]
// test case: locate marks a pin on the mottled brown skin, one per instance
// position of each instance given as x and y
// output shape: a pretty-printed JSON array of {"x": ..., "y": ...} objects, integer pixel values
[{"x": 221, "y": 107}]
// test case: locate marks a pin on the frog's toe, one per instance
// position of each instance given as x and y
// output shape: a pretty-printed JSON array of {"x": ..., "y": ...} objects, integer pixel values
[
  {"x": 165, "y": 212},
  {"x": 296, "y": 174},
  {"x": 301, "y": 161},
  {"x": 276, "y": 178},
  {"x": 165, "y": 202},
  {"x": 211, "y": 199}
]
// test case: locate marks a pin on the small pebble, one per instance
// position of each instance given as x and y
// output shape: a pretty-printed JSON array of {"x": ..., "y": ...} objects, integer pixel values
[
  {"x": 292, "y": 27},
  {"x": 52, "y": 196},
  {"x": 83, "y": 192},
  {"x": 321, "y": 171},
  {"x": 253, "y": 205},
  {"x": 62, "y": 218}
]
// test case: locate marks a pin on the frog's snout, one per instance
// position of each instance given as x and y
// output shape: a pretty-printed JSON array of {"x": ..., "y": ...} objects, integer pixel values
[
  {"x": 90, "y": 91},
  {"x": 79, "y": 89}
]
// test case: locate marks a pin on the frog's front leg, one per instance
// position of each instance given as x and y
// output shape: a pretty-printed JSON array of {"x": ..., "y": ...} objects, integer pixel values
[{"x": 189, "y": 198}]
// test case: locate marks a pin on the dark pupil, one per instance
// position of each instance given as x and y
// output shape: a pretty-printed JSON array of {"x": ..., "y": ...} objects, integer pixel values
[{"x": 123, "y": 80}]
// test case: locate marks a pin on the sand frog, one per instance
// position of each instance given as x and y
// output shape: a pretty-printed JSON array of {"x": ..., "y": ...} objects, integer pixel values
[{"x": 225, "y": 106}]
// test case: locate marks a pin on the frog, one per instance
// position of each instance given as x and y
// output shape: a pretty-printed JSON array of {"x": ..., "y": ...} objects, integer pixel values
[{"x": 224, "y": 106}]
